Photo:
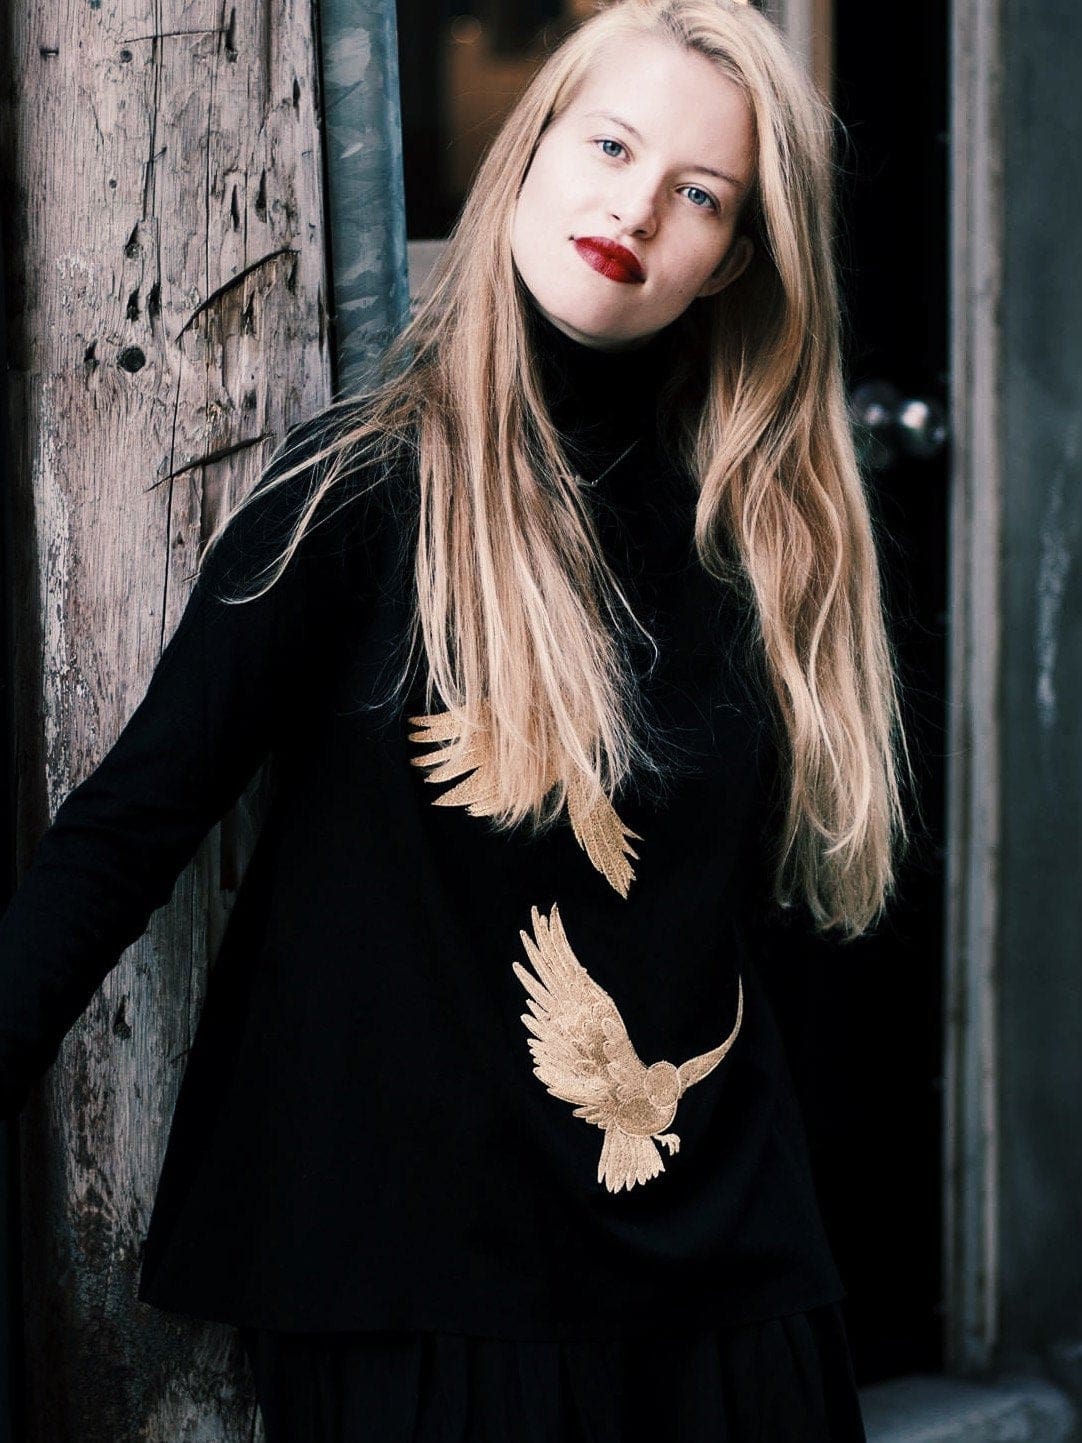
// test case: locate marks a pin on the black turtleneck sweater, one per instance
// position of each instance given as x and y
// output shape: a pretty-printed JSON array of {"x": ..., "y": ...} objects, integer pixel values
[{"x": 445, "y": 1077}]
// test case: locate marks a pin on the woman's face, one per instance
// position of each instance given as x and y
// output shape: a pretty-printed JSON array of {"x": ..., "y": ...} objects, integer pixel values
[{"x": 630, "y": 161}]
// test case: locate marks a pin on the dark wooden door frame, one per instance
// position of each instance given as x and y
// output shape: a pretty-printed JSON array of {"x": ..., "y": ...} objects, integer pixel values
[{"x": 970, "y": 1139}]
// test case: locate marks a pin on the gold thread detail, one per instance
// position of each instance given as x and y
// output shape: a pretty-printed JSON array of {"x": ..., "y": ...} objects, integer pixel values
[
  {"x": 600, "y": 833},
  {"x": 476, "y": 792},
  {"x": 583, "y": 1055},
  {"x": 602, "y": 836}
]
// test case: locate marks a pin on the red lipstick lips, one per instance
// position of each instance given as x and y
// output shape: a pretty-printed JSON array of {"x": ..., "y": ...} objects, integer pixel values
[{"x": 611, "y": 259}]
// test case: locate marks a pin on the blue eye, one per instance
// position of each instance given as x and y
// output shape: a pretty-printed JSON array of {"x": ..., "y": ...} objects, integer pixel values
[
  {"x": 607, "y": 141},
  {"x": 710, "y": 203}
]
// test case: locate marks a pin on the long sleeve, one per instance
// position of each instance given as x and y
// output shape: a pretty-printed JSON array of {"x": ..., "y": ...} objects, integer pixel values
[{"x": 220, "y": 691}]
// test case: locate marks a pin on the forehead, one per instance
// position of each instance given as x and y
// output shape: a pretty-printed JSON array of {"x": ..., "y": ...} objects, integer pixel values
[{"x": 678, "y": 99}]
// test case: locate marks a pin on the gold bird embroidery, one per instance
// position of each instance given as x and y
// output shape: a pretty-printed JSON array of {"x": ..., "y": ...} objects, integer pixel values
[
  {"x": 597, "y": 828},
  {"x": 582, "y": 1054}
]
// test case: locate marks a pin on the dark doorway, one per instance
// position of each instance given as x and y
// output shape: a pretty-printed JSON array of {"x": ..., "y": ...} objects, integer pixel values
[{"x": 863, "y": 1021}]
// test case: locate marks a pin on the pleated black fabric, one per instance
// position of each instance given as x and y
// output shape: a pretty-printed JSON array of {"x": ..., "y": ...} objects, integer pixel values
[{"x": 785, "y": 1380}]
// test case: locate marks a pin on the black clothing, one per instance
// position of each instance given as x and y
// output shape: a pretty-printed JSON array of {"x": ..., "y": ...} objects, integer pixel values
[
  {"x": 782, "y": 1380},
  {"x": 361, "y": 1141}
]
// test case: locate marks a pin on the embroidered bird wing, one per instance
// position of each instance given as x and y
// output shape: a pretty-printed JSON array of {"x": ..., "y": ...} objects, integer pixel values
[
  {"x": 696, "y": 1068},
  {"x": 580, "y": 1046},
  {"x": 602, "y": 836},
  {"x": 597, "y": 827},
  {"x": 476, "y": 791}
]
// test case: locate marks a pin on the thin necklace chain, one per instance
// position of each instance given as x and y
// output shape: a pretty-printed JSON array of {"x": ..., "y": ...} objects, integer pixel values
[{"x": 610, "y": 467}]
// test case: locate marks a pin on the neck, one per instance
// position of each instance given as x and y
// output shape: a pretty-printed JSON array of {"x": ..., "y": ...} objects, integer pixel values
[{"x": 599, "y": 398}]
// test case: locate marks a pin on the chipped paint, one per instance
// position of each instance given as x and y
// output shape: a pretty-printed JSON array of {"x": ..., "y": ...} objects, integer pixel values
[
  {"x": 1058, "y": 535},
  {"x": 347, "y": 58}
]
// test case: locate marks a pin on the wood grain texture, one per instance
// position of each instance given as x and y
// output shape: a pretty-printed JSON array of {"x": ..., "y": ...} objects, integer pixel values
[{"x": 164, "y": 240}]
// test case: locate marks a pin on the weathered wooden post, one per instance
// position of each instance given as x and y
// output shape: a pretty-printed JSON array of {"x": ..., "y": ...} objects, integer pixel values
[{"x": 164, "y": 236}]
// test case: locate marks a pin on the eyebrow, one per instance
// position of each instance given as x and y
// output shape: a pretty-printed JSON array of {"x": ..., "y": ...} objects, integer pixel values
[{"x": 703, "y": 169}]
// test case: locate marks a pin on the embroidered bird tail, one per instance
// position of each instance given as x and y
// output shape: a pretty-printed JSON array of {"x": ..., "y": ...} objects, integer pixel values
[{"x": 627, "y": 1160}]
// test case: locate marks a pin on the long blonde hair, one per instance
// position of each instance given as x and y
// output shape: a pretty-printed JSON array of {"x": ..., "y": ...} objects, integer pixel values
[{"x": 515, "y": 606}]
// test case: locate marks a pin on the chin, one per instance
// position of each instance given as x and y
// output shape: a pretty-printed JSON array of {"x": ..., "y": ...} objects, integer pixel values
[
  {"x": 589, "y": 335},
  {"x": 583, "y": 325}
]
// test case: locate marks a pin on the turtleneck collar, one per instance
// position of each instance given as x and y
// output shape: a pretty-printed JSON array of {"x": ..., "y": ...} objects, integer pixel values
[{"x": 599, "y": 399}]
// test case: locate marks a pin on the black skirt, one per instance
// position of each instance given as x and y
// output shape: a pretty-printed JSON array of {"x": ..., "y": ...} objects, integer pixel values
[{"x": 776, "y": 1381}]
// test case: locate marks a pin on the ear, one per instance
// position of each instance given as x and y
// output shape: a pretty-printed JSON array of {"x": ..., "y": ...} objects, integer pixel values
[{"x": 735, "y": 262}]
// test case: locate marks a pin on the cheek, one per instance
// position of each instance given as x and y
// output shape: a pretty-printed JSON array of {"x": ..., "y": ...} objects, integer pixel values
[
  {"x": 560, "y": 179},
  {"x": 529, "y": 229},
  {"x": 709, "y": 256},
  {"x": 544, "y": 208},
  {"x": 526, "y": 207},
  {"x": 544, "y": 184},
  {"x": 530, "y": 207}
]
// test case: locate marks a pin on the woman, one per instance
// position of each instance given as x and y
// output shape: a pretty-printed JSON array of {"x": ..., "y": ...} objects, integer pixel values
[{"x": 566, "y": 648}]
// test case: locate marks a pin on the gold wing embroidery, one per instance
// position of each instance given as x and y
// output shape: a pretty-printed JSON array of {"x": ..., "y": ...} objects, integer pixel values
[
  {"x": 476, "y": 792},
  {"x": 583, "y": 1055},
  {"x": 597, "y": 828},
  {"x": 602, "y": 836}
]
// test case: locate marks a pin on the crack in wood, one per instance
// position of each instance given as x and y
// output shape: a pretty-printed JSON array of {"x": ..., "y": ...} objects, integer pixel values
[
  {"x": 168, "y": 34},
  {"x": 151, "y": 161},
  {"x": 219, "y": 454},
  {"x": 237, "y": 280}
]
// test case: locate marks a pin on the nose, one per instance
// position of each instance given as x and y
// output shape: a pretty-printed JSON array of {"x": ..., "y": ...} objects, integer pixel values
[{"x": 635, "y": 210}]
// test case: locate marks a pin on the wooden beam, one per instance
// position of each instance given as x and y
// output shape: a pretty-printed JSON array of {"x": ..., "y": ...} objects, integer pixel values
[
  {"x": 165, "y": 293},
  {"x": 971, "y": 1124}
]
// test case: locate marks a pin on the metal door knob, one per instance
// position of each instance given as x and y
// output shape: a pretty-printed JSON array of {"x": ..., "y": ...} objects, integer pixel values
[{"x": 888, "y": 426}]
